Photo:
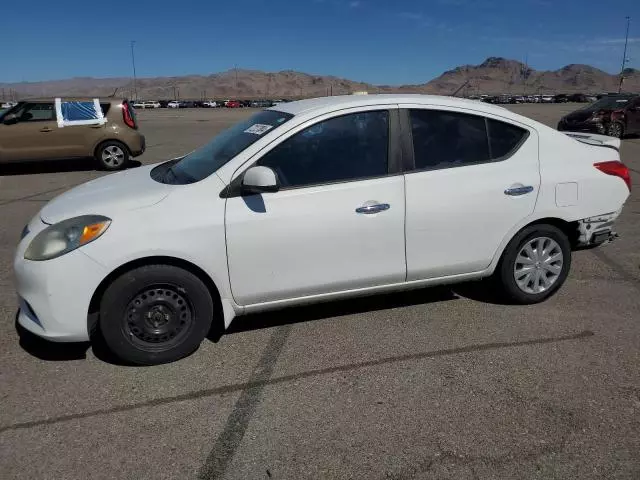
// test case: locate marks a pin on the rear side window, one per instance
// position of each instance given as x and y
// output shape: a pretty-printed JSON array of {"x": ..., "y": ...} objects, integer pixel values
[
  {"x": 444, "y": 139},
  {"x": 504, "y": 138},
  {"x": 78, "y": 111}
]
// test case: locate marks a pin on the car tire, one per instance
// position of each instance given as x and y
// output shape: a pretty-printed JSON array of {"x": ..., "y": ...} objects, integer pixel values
[
  {"x": 615, "y": 129},
  {"x": 112, "y": 156},
  {"x": 534, "y": 265},
  {"x": 155, "y": 314}
]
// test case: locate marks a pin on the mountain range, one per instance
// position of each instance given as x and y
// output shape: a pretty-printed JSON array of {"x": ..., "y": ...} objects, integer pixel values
[{"x": 494, "y": 76}]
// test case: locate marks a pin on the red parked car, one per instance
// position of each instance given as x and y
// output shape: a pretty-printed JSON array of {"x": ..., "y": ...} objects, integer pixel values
[{"x": 233, "y": 104}]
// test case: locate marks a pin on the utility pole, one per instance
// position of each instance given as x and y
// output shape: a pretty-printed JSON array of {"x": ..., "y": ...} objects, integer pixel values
[
  {"x": 624, "y": 55},
  {"x": 135, "y": 79},
  {"x": 235, "y": 67}
]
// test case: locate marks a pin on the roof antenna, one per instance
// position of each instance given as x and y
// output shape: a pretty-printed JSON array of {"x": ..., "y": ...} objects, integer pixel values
[{"x": 114, "y": 92}]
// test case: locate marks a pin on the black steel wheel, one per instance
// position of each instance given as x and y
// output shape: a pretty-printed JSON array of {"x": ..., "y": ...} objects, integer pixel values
[
  {"x": 159, "y": 315},
  {"x": 155, "y": 314}
]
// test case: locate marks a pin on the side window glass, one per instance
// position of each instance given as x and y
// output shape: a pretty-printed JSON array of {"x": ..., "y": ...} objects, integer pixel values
[
  {"x": 504, "y": 138},
  {"x": 78, "y": 111},
  {"x": 36, "y": 112},
  {"x": 344, "y": 148},
  {"x": 444, "y": 139}
]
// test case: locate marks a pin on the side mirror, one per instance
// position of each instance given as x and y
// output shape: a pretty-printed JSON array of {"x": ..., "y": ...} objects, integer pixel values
[
  {"x": 260, "y": 180},
  {"x": 10, "y": 120}
]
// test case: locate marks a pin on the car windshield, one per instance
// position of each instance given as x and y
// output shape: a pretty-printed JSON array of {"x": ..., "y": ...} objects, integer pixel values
[
  {"x": 606, "y": 103},
  {"x": 204, "y": 161}
]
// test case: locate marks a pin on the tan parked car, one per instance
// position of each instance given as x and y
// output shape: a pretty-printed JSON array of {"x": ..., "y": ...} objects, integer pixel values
[{"x": 32, "y": 130}]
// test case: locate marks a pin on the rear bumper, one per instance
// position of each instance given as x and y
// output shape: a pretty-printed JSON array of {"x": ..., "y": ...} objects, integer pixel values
[
  {"x": 139, "y": 149},
  {"x": 599, "y": 230}
]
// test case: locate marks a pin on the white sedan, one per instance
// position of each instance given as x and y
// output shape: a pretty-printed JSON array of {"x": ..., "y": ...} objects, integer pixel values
[{"x": 312, "y": 201}]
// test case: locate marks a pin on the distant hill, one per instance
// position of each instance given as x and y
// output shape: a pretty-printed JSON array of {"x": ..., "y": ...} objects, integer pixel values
[
  {"x": 495, "y": 75},
  {"x": 499, "y": 75}
]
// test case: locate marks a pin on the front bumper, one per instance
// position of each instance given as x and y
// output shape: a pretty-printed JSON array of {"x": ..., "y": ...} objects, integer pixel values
[{"x": 54, "y": 295}]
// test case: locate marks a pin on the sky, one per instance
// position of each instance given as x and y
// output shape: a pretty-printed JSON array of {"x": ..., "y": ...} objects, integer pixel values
[{"x": 377, "y": 41}]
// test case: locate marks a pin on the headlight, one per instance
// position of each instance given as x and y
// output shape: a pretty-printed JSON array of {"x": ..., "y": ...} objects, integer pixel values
[{"x": 66, "y": 236}]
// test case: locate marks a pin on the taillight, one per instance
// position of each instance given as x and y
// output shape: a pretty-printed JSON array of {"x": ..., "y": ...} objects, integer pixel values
[
  {"x": 126, "y": 115},
  {"x": 617, "y": 169}
]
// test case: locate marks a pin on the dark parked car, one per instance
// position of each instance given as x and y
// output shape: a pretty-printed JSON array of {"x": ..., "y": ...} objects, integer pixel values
[
  {"x": 578, "y": 98},
  {"x": 261, "y": 104},
  {"x": 613, "y": 115},
  {"x": 561, "y": 98}
]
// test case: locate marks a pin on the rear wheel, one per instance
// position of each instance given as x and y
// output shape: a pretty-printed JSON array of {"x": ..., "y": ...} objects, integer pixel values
[
  {"x": 112, "y": 155},
  {"x": 155, "y": 314},
  {"x": 615, "y": 129},
  {"x": 535, "y": 264}
]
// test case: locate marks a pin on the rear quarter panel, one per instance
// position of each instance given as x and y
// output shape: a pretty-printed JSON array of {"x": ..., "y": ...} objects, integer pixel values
[{"x": 565, "y": 161}]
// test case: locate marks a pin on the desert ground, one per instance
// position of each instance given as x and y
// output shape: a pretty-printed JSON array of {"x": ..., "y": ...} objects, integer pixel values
[{"x": 432, "y": 384}]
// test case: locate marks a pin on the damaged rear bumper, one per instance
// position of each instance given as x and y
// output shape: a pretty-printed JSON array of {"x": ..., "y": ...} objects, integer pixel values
[{"x": 598, "y": 230}]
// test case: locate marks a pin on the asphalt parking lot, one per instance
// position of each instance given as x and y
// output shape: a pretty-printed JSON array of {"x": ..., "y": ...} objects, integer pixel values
[{"x": 432, "y": 384}]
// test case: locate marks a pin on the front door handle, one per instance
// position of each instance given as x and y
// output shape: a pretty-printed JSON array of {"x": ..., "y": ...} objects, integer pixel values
[
  {"x": 368, "y": 209},
  {"x": 516, "y": 191},
  {"x": 46, "y": 129}
]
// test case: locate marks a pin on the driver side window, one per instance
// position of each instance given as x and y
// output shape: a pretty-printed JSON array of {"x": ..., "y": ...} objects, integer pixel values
[
  {"x": 36, "y": 112},
  {"x": 349, "y": 147}
]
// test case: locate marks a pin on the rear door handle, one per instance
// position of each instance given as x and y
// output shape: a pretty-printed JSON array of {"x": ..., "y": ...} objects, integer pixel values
[
  {"x": 516, "y": 191},
  {"x": 368, "y": 209}
]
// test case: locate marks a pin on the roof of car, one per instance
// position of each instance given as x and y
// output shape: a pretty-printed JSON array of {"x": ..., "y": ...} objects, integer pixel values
[
  {"x": 349, "y": 101},
  {"x": 73, "y": 99}
]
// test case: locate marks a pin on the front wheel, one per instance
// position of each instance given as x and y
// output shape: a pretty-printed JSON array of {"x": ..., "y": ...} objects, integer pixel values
[
  {"x": 155, "y": 314},
  {"x": 535, "y": 264}
]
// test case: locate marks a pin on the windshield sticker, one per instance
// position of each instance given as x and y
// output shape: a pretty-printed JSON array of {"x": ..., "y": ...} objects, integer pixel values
[{"x": 258, "y": 129}]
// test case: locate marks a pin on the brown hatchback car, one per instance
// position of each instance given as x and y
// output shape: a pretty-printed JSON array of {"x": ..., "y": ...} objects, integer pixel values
[{"x": 31, "y": 131}]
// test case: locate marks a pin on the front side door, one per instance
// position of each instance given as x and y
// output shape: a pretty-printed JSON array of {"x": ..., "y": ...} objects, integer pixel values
[
  {"x": 30, "y": 138},
  {"x": 337, "y": 222},
  {"x": 471, "y": 181}
]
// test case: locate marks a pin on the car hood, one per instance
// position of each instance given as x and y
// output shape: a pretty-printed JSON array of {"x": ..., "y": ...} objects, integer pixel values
[
  {"x": 107, "y": 195},
  {"x": 580, "y": 115}
]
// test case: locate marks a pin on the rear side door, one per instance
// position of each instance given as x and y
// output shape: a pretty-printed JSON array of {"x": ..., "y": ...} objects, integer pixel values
[
  {"x": 79, "y": 140},
  {"x": 469, "y": 180}
]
